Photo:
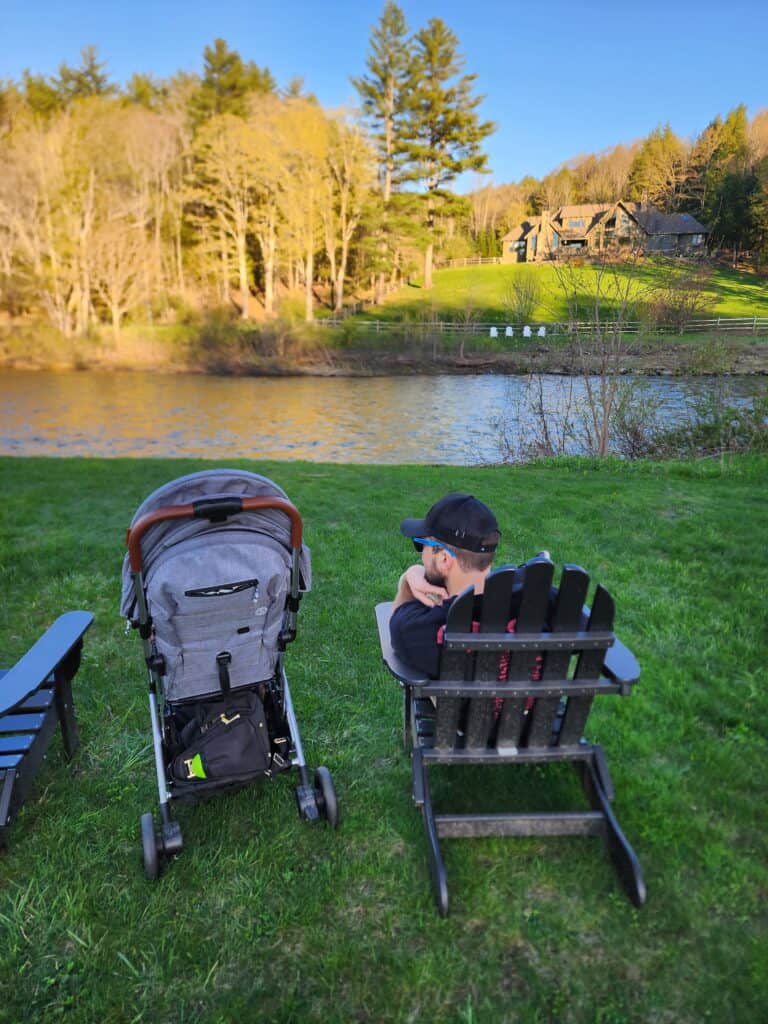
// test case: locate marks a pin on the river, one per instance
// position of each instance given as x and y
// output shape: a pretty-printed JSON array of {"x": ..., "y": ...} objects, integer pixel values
[{"x": 419, "y": 419}]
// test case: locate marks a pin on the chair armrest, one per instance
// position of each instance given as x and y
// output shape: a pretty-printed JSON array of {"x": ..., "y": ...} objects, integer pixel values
[
  {"x": 399, "y": 669},
  {"x": 34, "y": 667},
  {"x": 621, "y": 667}
]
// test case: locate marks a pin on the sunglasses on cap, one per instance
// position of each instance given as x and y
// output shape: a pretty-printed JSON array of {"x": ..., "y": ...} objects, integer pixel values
[{"x": 425, "y": 542}]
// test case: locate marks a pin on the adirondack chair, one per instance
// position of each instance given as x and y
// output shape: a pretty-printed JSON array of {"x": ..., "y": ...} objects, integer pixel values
[
  {"x": 518, "y": 697},
  {"x": 35, "y": 695}
]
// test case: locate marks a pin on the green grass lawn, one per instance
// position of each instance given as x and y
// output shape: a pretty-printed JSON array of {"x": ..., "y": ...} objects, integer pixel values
[
  {"x": 264, "y": 918},
  {"x": 482, "y": 288}
]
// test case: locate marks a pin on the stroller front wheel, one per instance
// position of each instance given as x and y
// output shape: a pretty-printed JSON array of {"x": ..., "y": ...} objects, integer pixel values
[
  {"x": 149, "y": 848},
  {"x": 326, "y": 793}
]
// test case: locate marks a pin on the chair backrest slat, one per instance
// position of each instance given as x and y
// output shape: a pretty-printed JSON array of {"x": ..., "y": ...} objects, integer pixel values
[
  {"x": 531, "y": 615},
  {"x": 588, "y": 667},
  {"x": 494, "y": 618},
  {"x": 454, "y": 665},
  {"x": 566, "y": 618}
]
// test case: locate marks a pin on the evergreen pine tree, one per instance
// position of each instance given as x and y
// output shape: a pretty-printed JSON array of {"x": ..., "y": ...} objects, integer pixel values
[
  {"x": 442, "y": 133},
  {"x": 382, "y": 90},
  {"x": 89, "y": 79},
  {"x": 227, "y": 81}
]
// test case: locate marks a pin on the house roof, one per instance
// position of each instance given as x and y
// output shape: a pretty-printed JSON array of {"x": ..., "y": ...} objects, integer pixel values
[
  {"x": 582, "y": 210},
  {"x": 522, "y": 230},
  {"x": 590, "y": 213},
  {"x": 654, "y": 222}
]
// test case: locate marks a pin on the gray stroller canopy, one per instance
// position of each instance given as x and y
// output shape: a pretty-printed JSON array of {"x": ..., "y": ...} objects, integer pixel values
[{"x": 210, "y": 483}]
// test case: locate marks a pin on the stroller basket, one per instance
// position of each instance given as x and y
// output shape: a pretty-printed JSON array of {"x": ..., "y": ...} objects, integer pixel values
[{"x": 212, "y": 580}]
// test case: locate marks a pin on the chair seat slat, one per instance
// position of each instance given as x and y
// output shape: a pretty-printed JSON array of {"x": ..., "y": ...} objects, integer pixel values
[
  {"x": 18, "y": 744},
  {"x": 21, "y": 723}
]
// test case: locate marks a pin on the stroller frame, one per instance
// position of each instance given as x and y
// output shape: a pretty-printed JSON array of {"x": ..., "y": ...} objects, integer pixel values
[{"x": 316, "y": 798}]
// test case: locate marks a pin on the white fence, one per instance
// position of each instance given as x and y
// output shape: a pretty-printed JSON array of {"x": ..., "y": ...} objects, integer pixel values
[
  {"x": 469, "y": 261},
  {"x": 741, "y": 325}
]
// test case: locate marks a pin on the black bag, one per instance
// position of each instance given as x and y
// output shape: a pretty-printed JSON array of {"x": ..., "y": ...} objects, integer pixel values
[{"x": 228, "y": 739}]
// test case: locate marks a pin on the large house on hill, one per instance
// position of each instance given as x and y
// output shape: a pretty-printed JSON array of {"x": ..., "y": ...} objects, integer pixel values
[{"x": 603, "y": 227}]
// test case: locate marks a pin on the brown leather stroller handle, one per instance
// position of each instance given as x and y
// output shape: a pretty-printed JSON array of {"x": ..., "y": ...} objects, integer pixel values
[{"x": 215, "y": 509}]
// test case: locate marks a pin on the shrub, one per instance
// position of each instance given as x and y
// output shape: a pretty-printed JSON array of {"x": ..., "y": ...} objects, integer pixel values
[
  {"x": 714, "y": 427},
  {"x": 682, "y": 296},
  {"x": 521, "y": 296}
]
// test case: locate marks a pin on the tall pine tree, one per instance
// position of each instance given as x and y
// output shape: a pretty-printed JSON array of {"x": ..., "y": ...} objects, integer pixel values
[
  {"x": 442, "y": 133},
  {"x": 382, "y": 89},
  {"x": 382, "y": 92},
  {"x": 227, "y": 81}
]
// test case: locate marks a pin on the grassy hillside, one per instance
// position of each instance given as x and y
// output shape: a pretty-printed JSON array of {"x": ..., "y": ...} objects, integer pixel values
[
  {"x": 482, "y": 289},
  {"x": 263, "y": 918}
]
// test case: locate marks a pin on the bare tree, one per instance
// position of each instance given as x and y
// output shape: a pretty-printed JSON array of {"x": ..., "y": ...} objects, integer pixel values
[
  {"x": 305, "y": 157},
  {"x": 225, "y": 150},
  {"x": 351, "y": 176},
  {"x": 600, "y": 301},
  {"x": 117, "y": 258}
]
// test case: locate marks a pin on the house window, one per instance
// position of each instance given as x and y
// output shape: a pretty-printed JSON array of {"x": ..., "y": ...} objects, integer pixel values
[
  {"x": 697, "y": 239},
  {"x": 555, "y": 239},
  {"x": 576, "y": 222}
]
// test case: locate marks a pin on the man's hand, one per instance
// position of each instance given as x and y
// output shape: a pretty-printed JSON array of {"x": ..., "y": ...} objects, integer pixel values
[{"x": 413, "y": 586}]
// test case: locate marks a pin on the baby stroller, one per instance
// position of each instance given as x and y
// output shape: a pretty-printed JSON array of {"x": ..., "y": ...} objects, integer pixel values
[{"x": 213, "y": 578}]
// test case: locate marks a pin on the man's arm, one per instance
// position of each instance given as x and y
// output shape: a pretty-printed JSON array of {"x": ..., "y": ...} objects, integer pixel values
[{"x": 413, "y": 586}]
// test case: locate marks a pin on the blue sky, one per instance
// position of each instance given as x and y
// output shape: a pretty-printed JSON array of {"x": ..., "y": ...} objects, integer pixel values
[{"x": 560, "y": 78}]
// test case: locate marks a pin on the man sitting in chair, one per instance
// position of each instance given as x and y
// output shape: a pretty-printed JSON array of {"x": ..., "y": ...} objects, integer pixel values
[{"x": 457, "y": 539}]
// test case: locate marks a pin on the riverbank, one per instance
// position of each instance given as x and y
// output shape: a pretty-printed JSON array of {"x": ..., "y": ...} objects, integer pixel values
[
  {"x": 321, "y": 352},
  {"x": 341, "y": 924}
]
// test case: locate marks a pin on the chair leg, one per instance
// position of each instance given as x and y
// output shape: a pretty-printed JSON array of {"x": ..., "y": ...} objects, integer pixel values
[
  {"x": 65, "y": 708},
  {"x": 619, "y": 849},
  {"x": 436, "y": 865},
  {"x": 407, "y": 716},
  {"x": 6, "y": 797}
]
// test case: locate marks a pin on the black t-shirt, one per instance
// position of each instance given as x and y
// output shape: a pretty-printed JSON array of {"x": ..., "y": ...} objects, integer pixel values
[{"x": 413, "y": 631}]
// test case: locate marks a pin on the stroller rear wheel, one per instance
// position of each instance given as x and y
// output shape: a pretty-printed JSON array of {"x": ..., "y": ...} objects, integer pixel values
[
  {"x": 326, "y": 796},
  {"x": 150, "y": 851}
]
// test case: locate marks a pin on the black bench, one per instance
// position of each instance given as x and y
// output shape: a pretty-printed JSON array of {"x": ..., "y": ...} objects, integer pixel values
[
  {"x": 519, "y": 697},
  {"x": 34, "y": 695}
]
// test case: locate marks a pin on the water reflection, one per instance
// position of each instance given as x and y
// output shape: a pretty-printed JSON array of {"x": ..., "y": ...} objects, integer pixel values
[{"x": 441, "y": 419}]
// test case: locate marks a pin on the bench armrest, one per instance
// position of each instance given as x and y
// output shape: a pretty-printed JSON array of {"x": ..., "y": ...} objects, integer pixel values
[
  {"x": 399, "y": 669},
  {"x": 34, "y": 667}
]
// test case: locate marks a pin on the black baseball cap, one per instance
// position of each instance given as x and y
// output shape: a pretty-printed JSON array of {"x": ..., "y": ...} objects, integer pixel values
[{"x": 457, "y": 519}]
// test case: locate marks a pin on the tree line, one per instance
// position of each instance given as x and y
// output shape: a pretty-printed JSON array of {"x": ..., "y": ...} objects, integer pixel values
[{"x": 224, "y": 189}]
